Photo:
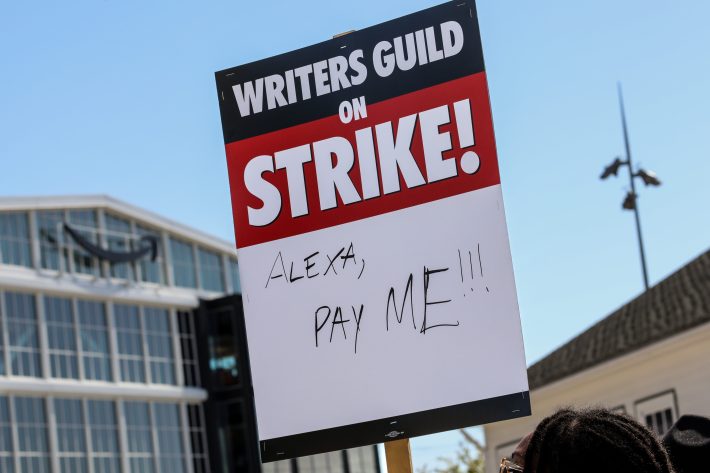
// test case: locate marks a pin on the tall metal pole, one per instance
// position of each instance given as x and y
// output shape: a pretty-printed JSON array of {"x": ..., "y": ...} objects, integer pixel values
[{"x": 633, "y": 189}]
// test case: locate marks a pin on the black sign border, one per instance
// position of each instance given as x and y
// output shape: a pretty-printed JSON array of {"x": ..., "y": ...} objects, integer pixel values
[
  {"x": 375, "y": 88},
  {"x": 511, "y": 406}
]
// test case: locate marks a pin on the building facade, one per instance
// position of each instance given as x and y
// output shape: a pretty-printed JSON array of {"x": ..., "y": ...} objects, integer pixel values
[
  {"x": 647, "y": 360},
  {"x": 99, "y": 371}
]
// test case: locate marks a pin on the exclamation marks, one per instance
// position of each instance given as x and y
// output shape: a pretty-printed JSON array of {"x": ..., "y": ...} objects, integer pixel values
[
  {"x": 461, "y": 267},
  {"x": 463, "y": 282},
  {"x": 470, "y": 162},
  {"x": 480, "y": 264},
  {"x": 464, "y": 279}
]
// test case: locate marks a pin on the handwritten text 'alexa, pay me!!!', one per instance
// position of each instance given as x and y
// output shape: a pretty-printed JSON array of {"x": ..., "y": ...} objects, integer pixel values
[{"x": 346, "y": 263}]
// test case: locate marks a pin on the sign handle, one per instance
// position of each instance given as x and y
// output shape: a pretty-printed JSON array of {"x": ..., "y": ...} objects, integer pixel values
[{"x": 398, "y": 456}]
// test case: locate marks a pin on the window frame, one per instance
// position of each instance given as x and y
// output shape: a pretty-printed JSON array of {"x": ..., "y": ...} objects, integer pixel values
[
  {"x": 58, "y": 352},
  {"x": 40, "y": 433},
  {"x": 161, "y": 430},
  {"x": 218, "y": 270},
  {"x": 48, "y": 452},
  {"x": 74, "y": 251},
  {"x": 36, "y": 352},
  {"x": 191, "y": 365},
  {"x": 235, "y": 279},
  {"x": 111, "y": 235},
  {"x": 657, "y": 403},
  {"x": 197, "y": 431},
  {"x": 92, "y": 453},
  {"x": 178, "y": 264},
  {"x": 167, "y": 357},
  {"x": 48, "y": 253},
  {"x": 87, "y": 355},
  {"x": 173, "y": 360},
  {"x": 16, "y": 241},
  {"x": 6, "y": 426},
  {"x": 80, "y": 427},
  {"x": 121, "y": 357},
  {"x": 4, "y": 339},
  {"x": 140, "y": 230}
]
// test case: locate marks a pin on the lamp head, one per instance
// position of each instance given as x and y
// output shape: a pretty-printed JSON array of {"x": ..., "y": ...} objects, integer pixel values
[
  {"x": 649, "y": 178},
  {"x": 629, "y": 202},
  {"x": 612, "y": 169}
]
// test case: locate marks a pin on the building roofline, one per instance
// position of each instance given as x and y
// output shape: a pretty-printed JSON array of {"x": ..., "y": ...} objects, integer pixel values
[
  {"x": 678, "y": 303},
  {"x": 10, "y": 203},
  {"x": 623, "y": 362}
]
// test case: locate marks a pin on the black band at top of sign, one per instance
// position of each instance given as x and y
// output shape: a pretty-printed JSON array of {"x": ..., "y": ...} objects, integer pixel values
[{"x": 375, "y": 88}]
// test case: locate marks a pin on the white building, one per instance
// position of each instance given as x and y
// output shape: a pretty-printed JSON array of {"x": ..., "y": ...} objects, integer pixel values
[
  {"x": 98, "y": 364},
  {"x": 649, "y": 359}
]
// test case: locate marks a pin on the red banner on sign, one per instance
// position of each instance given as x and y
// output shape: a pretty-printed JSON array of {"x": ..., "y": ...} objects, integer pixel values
[{"x": 381, "y": 167}]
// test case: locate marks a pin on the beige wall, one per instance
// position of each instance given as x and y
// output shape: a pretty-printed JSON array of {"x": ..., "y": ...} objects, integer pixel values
[{"x": 680, "y": 364}]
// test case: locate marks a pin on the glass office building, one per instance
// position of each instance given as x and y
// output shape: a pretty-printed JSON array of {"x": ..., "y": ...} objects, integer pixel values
[{"x": 99, "y": 366}]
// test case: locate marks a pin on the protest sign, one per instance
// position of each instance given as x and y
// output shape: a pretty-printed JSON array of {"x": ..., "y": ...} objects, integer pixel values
[{"x": 376, "y": 272}]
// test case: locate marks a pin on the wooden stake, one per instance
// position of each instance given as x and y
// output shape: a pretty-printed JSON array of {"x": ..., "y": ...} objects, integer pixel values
[{"x": 398, "y": 456}]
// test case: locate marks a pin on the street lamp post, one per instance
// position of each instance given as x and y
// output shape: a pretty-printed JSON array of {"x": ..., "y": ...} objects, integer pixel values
[{"x": 631, "y": 201}]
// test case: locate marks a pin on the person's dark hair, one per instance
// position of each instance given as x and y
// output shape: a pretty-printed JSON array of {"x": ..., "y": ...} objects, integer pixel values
[{"x": 594, "y": 441}]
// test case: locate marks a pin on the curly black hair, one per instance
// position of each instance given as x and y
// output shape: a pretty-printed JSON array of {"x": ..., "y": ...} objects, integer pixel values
[{"x": 594, "y": 441}]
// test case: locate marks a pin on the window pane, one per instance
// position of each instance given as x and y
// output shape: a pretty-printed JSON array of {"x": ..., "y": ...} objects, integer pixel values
[
  {"x": 362, "y": 459},
  {"x": 15, "y": 239},
  {"x": 183, "y": 261},
  {"x": 151, "y": 271},
  {"x": 94, "y": 340},
  {"x": 5, "y": 431},
  {"x": 222, "y": 350},
  {"x": 281, "y": 466},
  {"x": 31, "y": 421},
  {"x": 119, "y": 237},
  {"x": 188, "y": 348},
  {"x": 160, "y": 345},
  {"x": 21, "y": 313},
  {"x": 3, "y": 370},
  {"x": 334, "y": 460},
  {"x": 659, "y": 423},
  {"x": 320, "y": 463},
  {"x": 7, "y": 464},
  {"x": 140, "y": 439},
  {"x": 103, "y": 430},
  {"x": 70, "y": 435},
  {"x": 658, "y": 411},
  {"x": 231, "y": 431},
  {"x": 130, "y": 342},
  {"x": 234, "y": 272},
  {"x": 51, "y": 235},
  {"x": 168, "y": 427},
  {"x": 84, "y": 222},
  {"x": 211, "y": 274},
  {"x": 61, "y": 337},
  {"x": 669, "y": 420},
  {"x": 197, "y": 438}
]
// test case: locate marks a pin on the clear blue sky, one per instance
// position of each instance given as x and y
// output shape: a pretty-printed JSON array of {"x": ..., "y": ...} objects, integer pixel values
[{"x": 118, "y": 97}]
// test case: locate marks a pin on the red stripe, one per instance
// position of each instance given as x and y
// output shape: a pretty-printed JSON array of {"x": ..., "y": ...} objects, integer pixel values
[{"x": 473, "y": 87}]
